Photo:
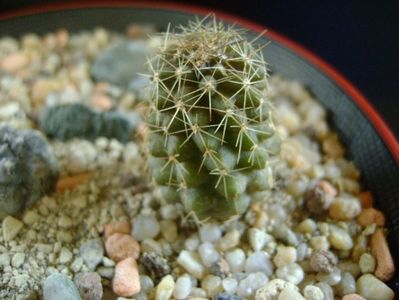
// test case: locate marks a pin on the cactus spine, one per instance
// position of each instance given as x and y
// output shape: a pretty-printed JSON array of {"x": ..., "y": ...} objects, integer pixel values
[{"x": 212, "y": 134}]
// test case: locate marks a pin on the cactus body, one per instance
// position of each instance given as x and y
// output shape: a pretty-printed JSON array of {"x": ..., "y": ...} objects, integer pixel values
[{"x": 212, "y": 134}]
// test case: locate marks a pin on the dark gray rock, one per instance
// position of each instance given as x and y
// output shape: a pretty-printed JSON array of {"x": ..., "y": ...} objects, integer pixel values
[
  {"x": 155, "y": 265},
  {"x": 122, "y": 63},
  {"x": 92, "y": 252},
  {"x": 28, "y": 169},
  {"x": 89, "y": 285},
  {"x": 59, "y": 287},
  {"x": 65, "y": 122}
]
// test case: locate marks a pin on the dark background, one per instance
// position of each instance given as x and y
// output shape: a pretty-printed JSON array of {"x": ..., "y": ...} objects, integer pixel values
[{"x": 359, "y": 38}]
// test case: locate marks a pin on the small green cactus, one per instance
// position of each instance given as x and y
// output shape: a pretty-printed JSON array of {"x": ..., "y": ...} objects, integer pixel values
[{"x": 211, "y": 131}]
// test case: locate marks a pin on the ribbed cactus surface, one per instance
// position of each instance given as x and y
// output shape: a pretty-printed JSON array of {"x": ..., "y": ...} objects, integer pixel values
[{"x": 212, "y": 134}]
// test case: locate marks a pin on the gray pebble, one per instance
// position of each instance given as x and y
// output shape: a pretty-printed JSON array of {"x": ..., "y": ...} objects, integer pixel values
[
  {"x": 283, "y": 233},
  {"x": 106, "y": 272},
  {"x": 59, "y": 287},
  {"x": 225, "y": 296},
  {"x": 28, "y": 169},
  {"x": 120, "y": 64},
  {"x": 89, "y": 285},
  {"x": 92, "y": 252}
]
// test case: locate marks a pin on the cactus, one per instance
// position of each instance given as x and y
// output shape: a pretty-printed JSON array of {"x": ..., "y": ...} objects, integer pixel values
[{"x": 212, "y": 136}]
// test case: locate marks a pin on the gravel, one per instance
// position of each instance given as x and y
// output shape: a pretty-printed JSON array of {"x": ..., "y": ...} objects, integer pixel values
[{"x": 309, "y": 236}]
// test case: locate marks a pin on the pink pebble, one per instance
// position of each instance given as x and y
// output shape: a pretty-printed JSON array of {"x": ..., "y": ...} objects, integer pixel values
[
  {"x": 116, "y": 227},
  {"x": 14, "y": 62},
  {"x": 126, "y": 280},
  {"x": 120, "y": 246}
]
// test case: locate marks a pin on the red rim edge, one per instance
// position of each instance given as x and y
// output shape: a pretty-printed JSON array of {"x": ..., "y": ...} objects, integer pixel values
[{"x": 361, "y": 101}]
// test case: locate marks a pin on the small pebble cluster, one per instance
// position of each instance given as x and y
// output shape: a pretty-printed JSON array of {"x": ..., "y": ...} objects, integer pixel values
[{"x": 103, "y": 231}]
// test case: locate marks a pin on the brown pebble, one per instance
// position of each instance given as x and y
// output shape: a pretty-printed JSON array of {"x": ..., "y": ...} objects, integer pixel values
[
  {"x": 70, "y": 182},
  {"x": 117, "y": 227},
  {"x": 353, "y": 297},
  {"x": 366, "y": 198},
  {"x": 120, "y": 246},
  {"x": 101, "y": 102},
  {"x": 379, "y": 248},
  {"x": 321, "y": 197},
  {"x": 134, "y": 31},
  {"x": 126, "y": 280},
  {"x": 371, "y": 216},
  {"x": 14, "y": 62},
  {"x": 323, "y": 261}
]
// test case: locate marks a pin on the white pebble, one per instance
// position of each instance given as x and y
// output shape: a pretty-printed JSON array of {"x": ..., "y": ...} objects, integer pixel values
[
  {"x": 208, "y": 254},
  {"x": 210, "y": 233},
  {"x": 165, "y": 288},
  {"x": 347, "y": 285},
  {"x": 11, "y": 227},
  {"x": 332, "y": 278},
  {"x": 18, "y": 259},
  {"x": 182, "y": 287},
  {"x": 77, "y": 264},
  {"x": 372, "y": 288},
  {"x": 236, "y": 260},
  {"x": 249, "y": 285},
  {"x": 192, "y": 242},
  {"x": 272, "y": 289},
  {"x": 367, "y": 263},
  {"x": 145, "y": 227},
  {"x": 345, "y": 208},
  {"x": 307, "y": 226},
  {"x": 340, "y": 239},
  {"x": 230, "y": 285},
  {"x": 65, "y": 221},
  {"x": 198, "y": 293},
  {"x": 349, "y": 266},
  {"x": 169, "y": 230},
  {"x": 229, "y": 240},
  {"x": 284, "y": 256},
  {"x": 258, "y": 238},
  {"x": 259, "y": 262},
  {"x": 212, "y": 285},
  {"x": 290, "y": 294},
  {"x": 320, "y": 243},
  {"x": 292, "y": 273},
  {"x": 312, "y": 292},
  {"x": 4, "y": 260},
  {"x": 65, "y": 255},
  {"x": 328, "y": 292},
  {"x": 30, "y": 217},
  {"x": 150, "y": 245},
  {"x": 191, "y": 263},
  {"x": 169, "y": 212}
]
